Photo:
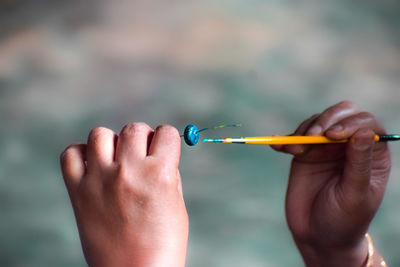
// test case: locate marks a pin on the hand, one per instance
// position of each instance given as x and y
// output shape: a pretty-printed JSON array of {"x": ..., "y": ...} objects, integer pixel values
[
  {"x": 335, "y": 190},
  {"x": 127, "y": 196}
]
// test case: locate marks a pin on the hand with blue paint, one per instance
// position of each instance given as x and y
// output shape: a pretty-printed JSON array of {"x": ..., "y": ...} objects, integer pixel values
[
  {"x": 334, "y": 190},
  {"x": 127, "y": 196}
]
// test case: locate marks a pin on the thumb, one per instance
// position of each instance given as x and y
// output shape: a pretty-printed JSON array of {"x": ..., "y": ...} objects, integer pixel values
[{"x": 357, "y": 170}]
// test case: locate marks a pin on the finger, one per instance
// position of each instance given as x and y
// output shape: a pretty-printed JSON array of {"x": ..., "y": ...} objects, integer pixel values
[
  {"x": 180, "y": 189},
  {"x": 294, "y": 150},
  {"x": 100, "y": 148},
  {"x": 331, "y": 116},
  {"x": 303, "y": 127},
  {"x": 348, "y": 126},
  {"x": 278, "y": 148},
  {"x": 133, "y": 142},
  {"x": 298, "y": 149},
  {"x": 73, "y": 166},
  {"x": 357, "y": 171},
  {"x": 166, "y": 144}
]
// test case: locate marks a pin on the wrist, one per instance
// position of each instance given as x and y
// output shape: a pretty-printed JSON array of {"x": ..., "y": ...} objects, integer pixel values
[
  {"x": 139, "y": 257},
  {"x": 160, "y": 258},
  {"x": 317, "y": 255}
]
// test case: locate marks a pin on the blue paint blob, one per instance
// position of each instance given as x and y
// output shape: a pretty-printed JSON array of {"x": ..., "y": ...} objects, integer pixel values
[{"x": 191, "y": 135}]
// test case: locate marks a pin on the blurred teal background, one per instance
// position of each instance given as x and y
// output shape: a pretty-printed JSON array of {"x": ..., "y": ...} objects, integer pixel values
[{"x": 69, "y": 66}]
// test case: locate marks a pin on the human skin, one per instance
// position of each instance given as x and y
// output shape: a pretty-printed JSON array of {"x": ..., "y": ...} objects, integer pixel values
[
  {"x": 127, "y": 197},
  {"x": 334, "y": 190}
]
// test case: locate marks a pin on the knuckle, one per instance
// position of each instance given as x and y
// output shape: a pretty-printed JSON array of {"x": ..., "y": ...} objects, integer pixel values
[
  {"x": 122, "y": 172},
  {"x": 64, "y": 154},
  {"x": 154, "y": 179},
  {"x": 330, "y": 112},
  {"x": 169, "y": 130},
  {"x": 162, "y": 175},
  {"x": 166, "y": 182},
  {"x": 134, "y": 127},
  {"x": 98, "y": 132},
  {"x": 324, "y": 117},
  {"x": 123, "y": 180},
  {"x": 366, "y": 115},
  {"x": 305, "y": 124},
  {"x": 315, "y": 115},
  {"x": 126, "y": 183},
  {"x": 309, "y": 120},
  {"x": 67, "y": 153},
  {"x": 347, "y": 104}
]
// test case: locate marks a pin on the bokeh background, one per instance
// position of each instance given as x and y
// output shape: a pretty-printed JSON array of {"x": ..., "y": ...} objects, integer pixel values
[{"x": 69, "y": 66}]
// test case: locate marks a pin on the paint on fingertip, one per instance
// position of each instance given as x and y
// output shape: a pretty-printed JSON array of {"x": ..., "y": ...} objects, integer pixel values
[
  {"x": 296, "y": 149},
  {"x": 302, "y": 149}
]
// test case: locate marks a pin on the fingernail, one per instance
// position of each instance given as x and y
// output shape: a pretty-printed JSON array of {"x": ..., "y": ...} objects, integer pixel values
[
  {"x": 315, "y": 130},
  {"x": 297, "y": 150}
]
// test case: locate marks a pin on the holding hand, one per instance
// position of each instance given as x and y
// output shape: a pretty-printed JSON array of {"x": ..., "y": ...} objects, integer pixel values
[
  {"x": 127, "y": 196},
  {"x": 335, "y": 190}
]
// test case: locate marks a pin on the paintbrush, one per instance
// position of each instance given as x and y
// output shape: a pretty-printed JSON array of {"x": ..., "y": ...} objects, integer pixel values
[{"x": 292, "y": 140}]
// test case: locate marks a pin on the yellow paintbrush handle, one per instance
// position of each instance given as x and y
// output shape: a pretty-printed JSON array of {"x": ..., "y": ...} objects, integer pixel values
[{"x": 291, "y": 140}]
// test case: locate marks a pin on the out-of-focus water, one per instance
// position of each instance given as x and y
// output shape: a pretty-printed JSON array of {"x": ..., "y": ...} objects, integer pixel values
[{"x": 68, "y": 66}]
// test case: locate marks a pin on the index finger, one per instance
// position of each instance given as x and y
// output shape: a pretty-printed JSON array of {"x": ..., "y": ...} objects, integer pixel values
[
  {"x": 332, "y": 115},
  {"x": 347, "y": 127},
  {"x": 166, "y": 144},
  {"x": 133, "y": 142}
]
